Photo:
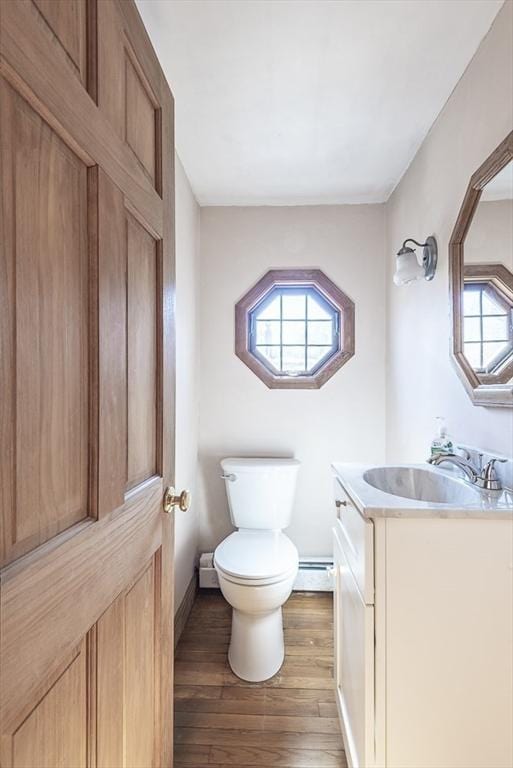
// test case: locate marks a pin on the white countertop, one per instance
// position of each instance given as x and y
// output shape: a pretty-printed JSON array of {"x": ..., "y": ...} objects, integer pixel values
[{"x": 375, "y": 503}]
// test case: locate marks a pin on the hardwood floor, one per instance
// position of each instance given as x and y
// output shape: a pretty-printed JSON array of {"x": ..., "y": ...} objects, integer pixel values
[{"x": 289, "y": 721}]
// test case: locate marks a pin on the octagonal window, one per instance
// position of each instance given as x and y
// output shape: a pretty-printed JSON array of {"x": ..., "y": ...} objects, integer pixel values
[
  {"x": 295, "y": 328},
  {"x": 488, "y": 327},
  {"x": 294, "y": 331}
]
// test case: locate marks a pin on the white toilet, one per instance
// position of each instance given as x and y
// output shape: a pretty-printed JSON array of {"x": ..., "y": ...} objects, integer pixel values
[{"x": 257, "y": 565}]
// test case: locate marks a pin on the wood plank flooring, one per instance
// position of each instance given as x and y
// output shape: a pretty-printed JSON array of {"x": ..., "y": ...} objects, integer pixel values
[{"x": 289, "y": 721}]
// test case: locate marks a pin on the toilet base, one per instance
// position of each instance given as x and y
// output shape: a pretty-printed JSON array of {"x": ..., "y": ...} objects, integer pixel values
[{"x": 257, "y": 649}]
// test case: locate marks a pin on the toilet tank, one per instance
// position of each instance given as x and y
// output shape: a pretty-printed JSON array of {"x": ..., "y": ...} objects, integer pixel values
[{"x": 260, "y": 491}]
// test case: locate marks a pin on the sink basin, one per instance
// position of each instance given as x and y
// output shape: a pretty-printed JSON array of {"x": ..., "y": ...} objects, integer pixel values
[
  {"x": 420, "y": 484},
  {"x": 418, "y": 491}
]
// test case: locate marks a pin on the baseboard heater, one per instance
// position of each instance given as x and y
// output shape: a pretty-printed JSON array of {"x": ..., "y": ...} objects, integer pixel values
[{"x": 314, "y": 574}]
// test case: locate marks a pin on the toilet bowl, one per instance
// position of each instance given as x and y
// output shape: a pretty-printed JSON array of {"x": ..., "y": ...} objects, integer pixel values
[
  {"x": 257, "y": 564},
  {"x": 256, "y": 572}
]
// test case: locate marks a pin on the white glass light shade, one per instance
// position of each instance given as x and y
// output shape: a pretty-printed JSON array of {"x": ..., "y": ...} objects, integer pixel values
[{"x": 407, "y": 268}]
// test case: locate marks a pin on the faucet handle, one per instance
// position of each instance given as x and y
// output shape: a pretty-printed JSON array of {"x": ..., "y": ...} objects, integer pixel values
[
  {"x": 490, "y": 465},
  {"x": 488, "y": 479},
  {"x": 468, "y": 456}
]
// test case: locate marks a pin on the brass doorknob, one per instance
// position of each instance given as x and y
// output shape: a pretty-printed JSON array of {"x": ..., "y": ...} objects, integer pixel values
[{"x": 183, "y": 501}]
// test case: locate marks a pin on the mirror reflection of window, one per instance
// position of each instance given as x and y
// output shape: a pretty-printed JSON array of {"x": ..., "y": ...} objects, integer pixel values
[
  {"x": 487, "y": 327},
  {"x": 488, "y": 300},
  {"x": 481, "y": 281}
]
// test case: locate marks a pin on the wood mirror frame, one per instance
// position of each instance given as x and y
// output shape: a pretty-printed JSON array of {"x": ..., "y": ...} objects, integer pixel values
[{"x": 479, "y": 390}]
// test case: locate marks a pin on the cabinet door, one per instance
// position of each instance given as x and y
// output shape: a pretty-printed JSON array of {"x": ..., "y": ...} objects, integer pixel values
[{"x": 354, "y": 664}]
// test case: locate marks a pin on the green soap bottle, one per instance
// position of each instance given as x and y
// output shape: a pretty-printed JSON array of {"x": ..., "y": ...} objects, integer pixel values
[{"x": 441, "y": 443}]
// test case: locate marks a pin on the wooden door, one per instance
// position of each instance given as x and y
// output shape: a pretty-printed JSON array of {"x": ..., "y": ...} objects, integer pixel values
[{"x": 86, "y": 388}]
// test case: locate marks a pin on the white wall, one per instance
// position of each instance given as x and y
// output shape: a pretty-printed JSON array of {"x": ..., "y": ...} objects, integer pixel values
[
  {"x": 187, "y": 368},
  {"x": 355, "y": 246},
  {"x": 239, "y": 415},
  {"x": 421, "y": 381}
]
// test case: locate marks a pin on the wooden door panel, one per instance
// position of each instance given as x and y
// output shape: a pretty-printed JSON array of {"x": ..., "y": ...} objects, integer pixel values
[
  {"x": 129, "y": 99},
  {"x": 111, "y": 686},
  {"x": 54, "y": 733},
  {"x": 141, "y": 122},
  {"x": 127, "y": 650},
  {"x": 140, "y": 694},
  {"x": 111, "y": 59},
  {"x": 46, "y": 213},
  {"x": 68, "y": 21},
  {"x": 111, "y": 262},
  {"x": 142, "y": 325}
]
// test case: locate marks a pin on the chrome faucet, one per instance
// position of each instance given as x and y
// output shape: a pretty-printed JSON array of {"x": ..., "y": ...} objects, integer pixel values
[
  {"x": 486, "y": 479},
  {"x": 452, "y": 458}
]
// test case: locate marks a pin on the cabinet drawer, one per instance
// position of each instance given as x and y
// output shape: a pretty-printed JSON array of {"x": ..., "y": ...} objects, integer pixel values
[{"x": 356, "y": 537}]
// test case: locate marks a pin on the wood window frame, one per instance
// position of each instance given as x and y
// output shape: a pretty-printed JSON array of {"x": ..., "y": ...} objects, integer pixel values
[{"x": 308, "y": 278}]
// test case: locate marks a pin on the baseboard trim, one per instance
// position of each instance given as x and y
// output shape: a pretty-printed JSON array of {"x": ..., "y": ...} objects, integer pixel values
[
  {"x": 315, "y": 574},
  {"x": 185, "y": 607}
]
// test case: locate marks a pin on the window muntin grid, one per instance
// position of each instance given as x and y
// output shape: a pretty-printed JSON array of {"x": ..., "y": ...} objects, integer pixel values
[
  {"x": 487, "y": 327},
  {"x": 294, "y": 330}
]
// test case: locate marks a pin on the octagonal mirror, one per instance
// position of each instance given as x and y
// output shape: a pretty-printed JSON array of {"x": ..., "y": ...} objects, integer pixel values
[{"x": 481, "y": 280}]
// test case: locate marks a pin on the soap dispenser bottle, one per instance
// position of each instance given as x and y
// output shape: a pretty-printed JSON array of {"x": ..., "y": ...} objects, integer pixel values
[{"x": 441, "y": 443}]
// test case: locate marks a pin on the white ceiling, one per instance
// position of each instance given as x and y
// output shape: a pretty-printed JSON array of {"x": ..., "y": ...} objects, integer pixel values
[{"x": 286, "y": 102}]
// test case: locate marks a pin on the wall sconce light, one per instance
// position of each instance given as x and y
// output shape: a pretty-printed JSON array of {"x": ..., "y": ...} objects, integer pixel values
[{"x": 408, "y": 269}]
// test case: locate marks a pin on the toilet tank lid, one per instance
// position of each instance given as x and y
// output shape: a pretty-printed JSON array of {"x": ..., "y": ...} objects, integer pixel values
[{"x": 257, "y": 464}]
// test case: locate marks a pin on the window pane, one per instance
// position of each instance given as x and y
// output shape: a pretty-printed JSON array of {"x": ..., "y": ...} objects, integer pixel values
[
  {"x": 316, "y": 311},
  {"x": 293, "y": 359},
  {"x": 272, "y": 354},
  {"x": 315, "y": 355},
  {"x": 293, "y": 332},
  {"x": 294, "y": 306},
  {"x": 495, "y": 328},
  {"x": 473, "y": 354},
  {"x": 271, "y": 311},
  {"x": 491, "y": 306},
  {"x": 320, "y": 332},
  {"x": 490, "y": 351},
  {"x": 267, "y": 331},
  {"x": 472, "y": 329},
  {"x": 471, "y": 302}
]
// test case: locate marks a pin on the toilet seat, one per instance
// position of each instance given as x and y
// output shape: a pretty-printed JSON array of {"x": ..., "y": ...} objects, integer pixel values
[
  {"x": 256, "y": 558},
  {"x": 243, "y": 582}
]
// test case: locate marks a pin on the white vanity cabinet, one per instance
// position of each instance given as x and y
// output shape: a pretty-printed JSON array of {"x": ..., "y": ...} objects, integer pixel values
[
  {"x": 354, "y": 663},
  {"x": 423, "y": 638}
]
